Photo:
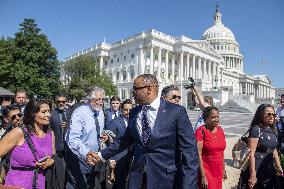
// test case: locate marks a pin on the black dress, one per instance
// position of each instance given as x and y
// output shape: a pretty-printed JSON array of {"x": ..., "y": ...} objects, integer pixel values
[{"x": 264, "y": 161}]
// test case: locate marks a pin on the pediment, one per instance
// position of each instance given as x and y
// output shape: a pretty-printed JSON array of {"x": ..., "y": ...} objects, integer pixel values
[{"x": 204, "y": 46}]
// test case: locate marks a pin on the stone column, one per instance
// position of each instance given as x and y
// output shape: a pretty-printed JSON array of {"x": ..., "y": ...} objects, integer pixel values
[
  {"x": 193, "y": 75},
  {"x": 141, "y": 61},
  {"x": 187, "y": 66},
  {"x": 101, "y": 63},
  {"x": 114, "y": 77},
  {"x": 181, "y": 69},
  {"x": 199, "y": 68},
  {"x": 167, "y": 66},
  {"x": 151, "y": 59},
  {"x": 128, "y": 74},
  {"x": 204, "y": 69},
  {"x": 173, "y": 66},
  {"x": 159, "y": 64},
  {"x": 209, "y": 71},
  {"x": 136, "y": 65}
]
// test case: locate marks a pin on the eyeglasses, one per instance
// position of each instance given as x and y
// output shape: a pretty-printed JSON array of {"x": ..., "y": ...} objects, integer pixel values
[
  {"x": 100, "y": 99},
  {"x": 271, "y": 114},
  {"x": 176, "y": 97},
  {"x": 61, "y": 101},
  {"x": 19, "y": 115},
  {"x": 134, "y": 89}
]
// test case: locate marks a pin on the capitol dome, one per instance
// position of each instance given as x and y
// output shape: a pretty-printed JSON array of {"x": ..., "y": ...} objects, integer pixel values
[
  {"x": 223, "y": 41},
  {"x": 218, "y": 30}
]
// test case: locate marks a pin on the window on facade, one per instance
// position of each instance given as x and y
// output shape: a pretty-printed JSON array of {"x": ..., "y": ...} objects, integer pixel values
[
  {"x": 147, "y": 71},
  {"x": 123, "y": 94},
  {"x": 105, "y": 63},
  {"x": 124, "y": 58},
  {"x": 117, "y": 59},
  {"x": 117, "y": 76},
  {"x": 132, "y": 74},
  {"x": 148, "y": 55},
  {"x": 170, "y": 60},
  {"x": 124, "y": 75},
  {"x": 111, "y": 61},
  {"x": 156, "y": 57},
  {"x": 132, "y": 55},
  {"x": 163, "y": 59}
]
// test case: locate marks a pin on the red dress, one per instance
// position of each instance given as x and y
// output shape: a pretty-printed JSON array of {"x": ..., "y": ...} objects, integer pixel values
[{"x": 214, "y": 145}]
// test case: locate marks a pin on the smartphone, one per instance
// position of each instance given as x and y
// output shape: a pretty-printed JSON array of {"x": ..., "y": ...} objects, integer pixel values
[{"x": 42, "y": 160}]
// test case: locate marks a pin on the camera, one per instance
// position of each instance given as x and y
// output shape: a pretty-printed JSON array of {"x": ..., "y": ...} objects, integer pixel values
[{"x": 191, "y": 85}]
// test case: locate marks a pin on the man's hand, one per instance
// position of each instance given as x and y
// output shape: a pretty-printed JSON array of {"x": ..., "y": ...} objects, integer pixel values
[
  {"x": 112, "y": 164},
  {"x": 92, "y": 158}
]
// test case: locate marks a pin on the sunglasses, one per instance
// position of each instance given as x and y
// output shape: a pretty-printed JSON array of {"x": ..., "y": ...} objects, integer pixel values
[
  {"x": 176, "y": 97},
  {"x": 61, "y": 101},
  {"x": 19, "y": 115},
  {"x": 134, "y": 89},
  {"x": 271, "y": 114}
]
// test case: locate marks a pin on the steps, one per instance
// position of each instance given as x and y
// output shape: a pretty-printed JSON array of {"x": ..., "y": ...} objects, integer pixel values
[{"x": 238, "y": 106}]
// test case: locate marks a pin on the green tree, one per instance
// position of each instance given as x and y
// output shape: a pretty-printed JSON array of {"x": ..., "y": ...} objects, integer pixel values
[
  {"x": 30, "y": 62},
  {"x": 84, "y": 72}
]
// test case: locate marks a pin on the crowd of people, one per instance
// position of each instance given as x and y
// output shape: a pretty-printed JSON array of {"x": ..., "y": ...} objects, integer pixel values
[{"x": 143, "y": 143}]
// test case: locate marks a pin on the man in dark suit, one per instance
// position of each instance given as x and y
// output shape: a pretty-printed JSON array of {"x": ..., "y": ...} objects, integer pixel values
[
  {"x": 58, "y": 123},
  {"x": 112, "y": 112},
  {"x": 160, "y": 132},
  {"x": 121, "y": 161}
]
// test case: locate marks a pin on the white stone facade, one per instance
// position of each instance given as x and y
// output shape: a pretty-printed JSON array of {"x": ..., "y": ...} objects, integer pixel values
[{"x": 214, "y": 62}]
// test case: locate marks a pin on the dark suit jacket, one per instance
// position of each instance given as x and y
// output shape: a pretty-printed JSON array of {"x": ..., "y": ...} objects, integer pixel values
[
  {"x": 171, "y": 137},
  {"x": 108, "y": 115},
  {"x": 118, "y": 127},
  {"x": 55, "y": 125}
]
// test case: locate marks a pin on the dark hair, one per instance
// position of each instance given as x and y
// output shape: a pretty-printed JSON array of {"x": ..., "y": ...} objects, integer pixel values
[
  {"x": 33, "y": 107},
  {"x": 60, "y": 95},
  {"x": 20, "y": 91},
  {"x": 115, "y": 98},
  {"x": 167, "y": 89},
  {"x": 7, "y": 109},
  {"x": 149, "y": 79},
  {"x": 207, "y": 111},
  {"x": 282, "y": 96},
  {"x": 127, "y": 101},
  {"x": 258, "y": 116}
]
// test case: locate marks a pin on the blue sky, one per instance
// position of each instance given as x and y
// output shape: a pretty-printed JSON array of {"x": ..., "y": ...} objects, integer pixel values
[{"x": 74, "y": 25}]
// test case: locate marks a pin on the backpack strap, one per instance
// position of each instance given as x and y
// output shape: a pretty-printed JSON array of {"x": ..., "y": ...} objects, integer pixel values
[{"x": 32, "y": 148}]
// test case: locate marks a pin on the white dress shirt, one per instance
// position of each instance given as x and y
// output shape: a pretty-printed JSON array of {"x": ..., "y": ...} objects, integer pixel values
[{"x": 151, "y": 115}]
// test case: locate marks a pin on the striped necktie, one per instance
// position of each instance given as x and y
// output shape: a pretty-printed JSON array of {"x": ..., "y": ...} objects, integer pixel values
[{"x": 146, "y": 130}]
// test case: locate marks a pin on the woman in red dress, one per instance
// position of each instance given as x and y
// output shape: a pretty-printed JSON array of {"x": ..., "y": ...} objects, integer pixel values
[{"x": 211, "y": 146}]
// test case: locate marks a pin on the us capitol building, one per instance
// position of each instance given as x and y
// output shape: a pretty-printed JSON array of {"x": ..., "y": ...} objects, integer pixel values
[{"x": 215, "y": 63}]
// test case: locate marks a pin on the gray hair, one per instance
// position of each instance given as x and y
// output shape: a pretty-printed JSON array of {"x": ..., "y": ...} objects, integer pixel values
[
  {"x": 92, "y": 91},
  {"x": 167, "y": 89}
]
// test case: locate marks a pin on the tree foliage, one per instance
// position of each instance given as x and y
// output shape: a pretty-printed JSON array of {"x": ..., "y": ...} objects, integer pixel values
[
  {"x": 29, "y": 62},
  {"x": 83, "y": 72}
]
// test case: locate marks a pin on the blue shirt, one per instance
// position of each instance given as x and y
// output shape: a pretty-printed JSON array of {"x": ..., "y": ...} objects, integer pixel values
[
  {"x": 81, "y": 136},
  {"x": 199, "y": 122}
]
